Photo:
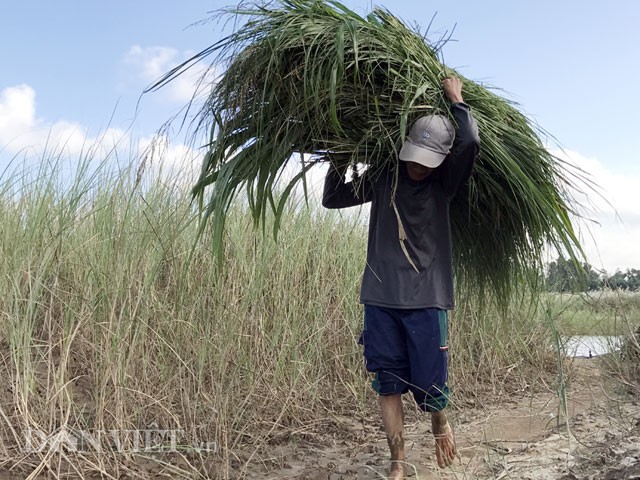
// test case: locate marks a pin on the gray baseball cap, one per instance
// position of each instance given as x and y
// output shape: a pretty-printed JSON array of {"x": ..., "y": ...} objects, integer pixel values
[{"x": 429, "y": 141}]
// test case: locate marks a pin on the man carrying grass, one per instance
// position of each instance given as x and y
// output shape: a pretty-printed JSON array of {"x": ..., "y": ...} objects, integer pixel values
[{"x": 407, "y": 286}]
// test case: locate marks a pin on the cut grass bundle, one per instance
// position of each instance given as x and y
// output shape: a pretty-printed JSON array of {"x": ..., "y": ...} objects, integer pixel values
[{"x": 313, "y": 77}]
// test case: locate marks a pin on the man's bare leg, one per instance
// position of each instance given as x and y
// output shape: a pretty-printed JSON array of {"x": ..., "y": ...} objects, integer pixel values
[
  {"x": 445, "y": 443},
  {"x": 393, "y": 421}
]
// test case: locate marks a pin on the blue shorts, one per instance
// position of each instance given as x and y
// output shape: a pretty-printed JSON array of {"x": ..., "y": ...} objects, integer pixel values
[{"x": 407, "y": 350}]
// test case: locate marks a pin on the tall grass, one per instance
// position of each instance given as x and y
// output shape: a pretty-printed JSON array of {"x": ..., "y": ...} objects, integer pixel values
[{"x": 107, "y": 325}]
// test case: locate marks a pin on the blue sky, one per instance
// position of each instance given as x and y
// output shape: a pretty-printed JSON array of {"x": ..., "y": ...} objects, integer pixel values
[{"x": 68, "y": 66}]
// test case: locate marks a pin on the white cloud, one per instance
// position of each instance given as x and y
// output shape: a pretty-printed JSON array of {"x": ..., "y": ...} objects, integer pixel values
[
  {"x": 152, "y": 61},
  {"x": 149, "y": 64},
  {"x": 314, "y": 178},
  {"x": 22, "y": 131},
  {"x": 17, "y": 111},
  {"x": 33, "y": 139},
  {"x": 611, "y": 241},
  {"x": 177, "y": 162}
]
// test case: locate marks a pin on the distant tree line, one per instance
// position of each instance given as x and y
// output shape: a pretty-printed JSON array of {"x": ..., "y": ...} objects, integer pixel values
[{"x": 565, "y": 276}]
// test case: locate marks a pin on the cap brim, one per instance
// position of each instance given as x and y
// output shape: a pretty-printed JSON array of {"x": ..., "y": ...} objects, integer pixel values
[{"x": 412, "y": 153}]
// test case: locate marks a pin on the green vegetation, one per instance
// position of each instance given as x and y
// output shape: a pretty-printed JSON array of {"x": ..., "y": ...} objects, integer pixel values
[
  {"x": 313, "y": 77},
  {"x": 613, "y": 313},
  {"x": 564, "y": 276},
  {"x": 603, "y": 312}
]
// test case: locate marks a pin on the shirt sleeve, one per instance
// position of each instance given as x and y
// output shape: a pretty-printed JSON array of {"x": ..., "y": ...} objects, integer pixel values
[
  {"x": 457, "y": 167},
  {"x": 340, "y": 194}
]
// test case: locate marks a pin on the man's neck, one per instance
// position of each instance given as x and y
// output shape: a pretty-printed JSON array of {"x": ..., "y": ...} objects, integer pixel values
[{"x": 419, "y": 173}]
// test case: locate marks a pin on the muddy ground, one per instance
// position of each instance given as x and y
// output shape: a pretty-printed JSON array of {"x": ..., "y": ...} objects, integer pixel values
[{"x": 525, "y": 437}]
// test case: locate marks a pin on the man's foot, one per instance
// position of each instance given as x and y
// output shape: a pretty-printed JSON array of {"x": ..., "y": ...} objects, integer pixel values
[
  {"x": 397, "y": 471},
  {"x": 445, "y": 443},
  {"x": 396, "y": 446},
  {"x": 393, "y": 420}
]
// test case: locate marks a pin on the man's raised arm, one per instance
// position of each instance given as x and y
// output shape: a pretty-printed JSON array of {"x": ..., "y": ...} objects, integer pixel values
[
  {"x": 458, "y": 166},
  {"x": 338, "y": 193}
]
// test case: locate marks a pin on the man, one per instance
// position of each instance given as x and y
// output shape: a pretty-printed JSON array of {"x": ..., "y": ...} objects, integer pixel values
[{"x": 407, "y": 285}]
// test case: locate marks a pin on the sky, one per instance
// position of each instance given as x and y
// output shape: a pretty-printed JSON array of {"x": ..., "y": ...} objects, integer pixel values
[{"x": 73, "y": 73}]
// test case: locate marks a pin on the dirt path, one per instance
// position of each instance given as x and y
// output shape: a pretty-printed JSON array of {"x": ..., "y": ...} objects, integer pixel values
[{"x": 523, "y": 438}]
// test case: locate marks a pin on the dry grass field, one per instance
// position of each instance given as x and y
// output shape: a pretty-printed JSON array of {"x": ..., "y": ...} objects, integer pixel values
[{"x": 127, "y": 352}]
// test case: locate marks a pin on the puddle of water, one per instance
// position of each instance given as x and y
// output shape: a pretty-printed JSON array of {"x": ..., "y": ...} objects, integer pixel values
[{"x": 591, "y": 345}]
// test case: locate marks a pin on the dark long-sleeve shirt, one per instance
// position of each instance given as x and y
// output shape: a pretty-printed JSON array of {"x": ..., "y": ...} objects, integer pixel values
[{"x": 390, "y": 279}]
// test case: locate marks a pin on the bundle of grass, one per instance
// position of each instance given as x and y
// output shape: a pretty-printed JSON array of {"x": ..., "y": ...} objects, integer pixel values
[{"x": 313, "y": 77}]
